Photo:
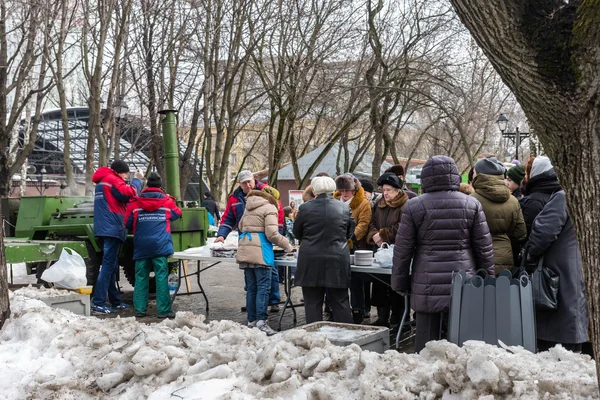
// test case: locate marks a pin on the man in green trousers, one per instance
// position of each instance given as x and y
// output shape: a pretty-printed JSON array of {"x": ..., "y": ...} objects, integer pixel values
[{"x": 149, "y": 217}]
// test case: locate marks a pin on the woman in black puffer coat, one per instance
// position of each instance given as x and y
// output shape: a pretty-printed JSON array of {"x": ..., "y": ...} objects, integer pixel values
[{"x": 542, "y": 184}]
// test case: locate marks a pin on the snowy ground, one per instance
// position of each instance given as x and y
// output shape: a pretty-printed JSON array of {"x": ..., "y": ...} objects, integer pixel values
[{"x": 52, "y": 353}]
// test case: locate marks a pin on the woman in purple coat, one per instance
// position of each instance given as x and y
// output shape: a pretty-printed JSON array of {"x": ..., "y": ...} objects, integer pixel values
[{"x": 442, "y": 231}]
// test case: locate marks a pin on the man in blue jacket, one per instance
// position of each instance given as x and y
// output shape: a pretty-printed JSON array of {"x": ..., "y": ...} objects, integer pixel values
[
  {"x": 111, "y": 197},
  {"x": 149, "y": 218}
]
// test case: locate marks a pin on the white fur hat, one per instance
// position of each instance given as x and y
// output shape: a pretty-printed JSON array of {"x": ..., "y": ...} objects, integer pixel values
[{"x": 322, "y": 184}]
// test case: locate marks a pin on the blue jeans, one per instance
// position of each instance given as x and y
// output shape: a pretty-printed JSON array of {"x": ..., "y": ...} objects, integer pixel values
[
  {"x": 258, "y": 287},
  {"x": 275, "y": 296},
  {"x": 107, "y": 277}
]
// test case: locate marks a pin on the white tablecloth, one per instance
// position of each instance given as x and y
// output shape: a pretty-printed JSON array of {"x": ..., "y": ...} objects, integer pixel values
[{"x": 287, "y": 262}]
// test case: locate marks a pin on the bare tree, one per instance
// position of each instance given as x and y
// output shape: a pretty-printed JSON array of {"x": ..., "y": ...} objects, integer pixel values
[
  {"x": 405, "y": 54},
  {"x": 229, "y": 94},
  {"x": 93, "y": 41},
  {"x": 295, "y": 65},
  {"x": 66, "y": 11},
  {"x": 25, "y": 30},
  {"x": 471, "y": 96}
]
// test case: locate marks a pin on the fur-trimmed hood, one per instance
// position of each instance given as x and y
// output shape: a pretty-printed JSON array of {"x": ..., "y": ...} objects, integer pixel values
[
  {"x": 358, "y": 198},
  {"x": 257, "y": 198}
]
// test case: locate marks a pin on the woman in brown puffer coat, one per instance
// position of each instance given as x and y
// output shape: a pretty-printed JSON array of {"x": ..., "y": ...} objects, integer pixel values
[
  {"x": 350, "y": 191},
  {"x": 259, "y": 230},
  {"x": 387, "y": 213}
]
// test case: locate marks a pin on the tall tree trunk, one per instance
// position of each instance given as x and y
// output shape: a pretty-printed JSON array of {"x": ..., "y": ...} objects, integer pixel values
[
  {"x": 548, "y": 53},
  {"x": 4, "y": 301}
]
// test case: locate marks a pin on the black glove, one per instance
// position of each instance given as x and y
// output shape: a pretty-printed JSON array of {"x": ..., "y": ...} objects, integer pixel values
[{"x": 531, "y": 263}]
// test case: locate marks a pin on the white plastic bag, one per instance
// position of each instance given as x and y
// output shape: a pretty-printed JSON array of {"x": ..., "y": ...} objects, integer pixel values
[
  {"x": 68, "y": 272},
  {"x": 384, "y": 256}
]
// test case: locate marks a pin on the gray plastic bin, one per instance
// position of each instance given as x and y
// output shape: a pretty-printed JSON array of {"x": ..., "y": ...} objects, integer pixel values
[
  {"x": 75, "y": 302},
  {"x": 372, "y": 338}
]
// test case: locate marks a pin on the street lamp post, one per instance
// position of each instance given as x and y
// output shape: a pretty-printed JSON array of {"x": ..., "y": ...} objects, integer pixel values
[{"x": 515, "y": 137}]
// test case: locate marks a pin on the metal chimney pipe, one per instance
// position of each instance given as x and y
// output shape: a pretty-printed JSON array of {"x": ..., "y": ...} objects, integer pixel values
[{"x": 169, "y": 131}]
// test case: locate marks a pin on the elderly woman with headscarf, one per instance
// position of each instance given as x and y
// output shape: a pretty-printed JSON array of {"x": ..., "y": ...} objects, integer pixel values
[
  {"x": 323, "y": 227},
  {"x": 382, "y": 229}
]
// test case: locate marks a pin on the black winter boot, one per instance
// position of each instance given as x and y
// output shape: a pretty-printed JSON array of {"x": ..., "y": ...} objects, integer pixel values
[{"x": 357, "y": 316}]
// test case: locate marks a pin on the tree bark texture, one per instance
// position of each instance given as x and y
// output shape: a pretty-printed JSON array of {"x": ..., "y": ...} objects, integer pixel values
[
  {"x": 548, "y": 53},
  {"x": 4, "y": 301}
]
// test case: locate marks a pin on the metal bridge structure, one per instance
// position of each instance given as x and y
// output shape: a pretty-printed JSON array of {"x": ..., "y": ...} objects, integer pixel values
[{"x": 47, "y": 157}]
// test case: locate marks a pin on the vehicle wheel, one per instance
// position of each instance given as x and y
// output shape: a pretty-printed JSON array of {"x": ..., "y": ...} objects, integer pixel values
[{"x": 92, "y": 264}]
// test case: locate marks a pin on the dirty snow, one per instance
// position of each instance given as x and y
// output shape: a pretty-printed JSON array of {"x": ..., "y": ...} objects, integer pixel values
[
  {"x": 52, "y": 353},
  {"x": 335, "y": 333}
]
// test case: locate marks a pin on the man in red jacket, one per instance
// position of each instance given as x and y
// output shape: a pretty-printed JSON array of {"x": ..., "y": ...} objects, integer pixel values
[
  {"x": 111, "y": 197},
  {"x": 149, "y": 218}
]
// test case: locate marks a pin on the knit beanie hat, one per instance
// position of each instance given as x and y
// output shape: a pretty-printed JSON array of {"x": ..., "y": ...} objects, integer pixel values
[
  {"x": 516, "y": 173},
  {"x": 119, "y": 166},
  {"x": 389, "y": 178},
  {"x": 367, "y": 185},
  {"x": 540, "y": 165},
  {"x": 322, "y": 184},
  {"x": 154, "y": 180},
  {"x": 489, "y": 166},
  {"x": 397, "y": 170},
  {"x": 271, "y": 191},
  {"x": 347, "y": 182}
]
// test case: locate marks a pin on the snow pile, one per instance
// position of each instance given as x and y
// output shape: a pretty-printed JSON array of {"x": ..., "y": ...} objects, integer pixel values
[
  {"x": 52, "y": 353},
  {"x": 334, "y": 333},
  {"x": 43, "y": 293}
]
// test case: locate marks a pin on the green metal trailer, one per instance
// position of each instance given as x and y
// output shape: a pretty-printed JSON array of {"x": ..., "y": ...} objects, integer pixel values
[{"x": 47, "y": 224}]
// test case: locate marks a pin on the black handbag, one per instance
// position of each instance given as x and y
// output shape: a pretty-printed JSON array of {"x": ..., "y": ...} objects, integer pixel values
[{"x": 544, "y": 284}]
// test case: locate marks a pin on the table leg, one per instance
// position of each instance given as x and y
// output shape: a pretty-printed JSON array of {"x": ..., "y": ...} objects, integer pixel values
[
  {"x": 201, "y": 288},
  {"x": 288, "y": 298},
  {"x": 288, "y": 284},
  {"x": 403, "y": 321}
]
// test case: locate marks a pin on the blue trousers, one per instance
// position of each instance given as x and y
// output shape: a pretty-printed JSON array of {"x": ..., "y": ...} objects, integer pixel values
[
  {"x": 275, "y": 296},
  {"x": 107, "y": 277},
  {"x": 258, "y": 287}
]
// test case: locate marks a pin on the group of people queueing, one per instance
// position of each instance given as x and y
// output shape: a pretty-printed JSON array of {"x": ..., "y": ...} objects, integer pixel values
[{"x": 502, "y": 220}]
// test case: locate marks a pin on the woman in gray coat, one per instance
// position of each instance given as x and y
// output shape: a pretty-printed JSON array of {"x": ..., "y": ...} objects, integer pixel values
[
  {"x": 553, "y": 237},
  {"x": 323, "y": 226}
]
